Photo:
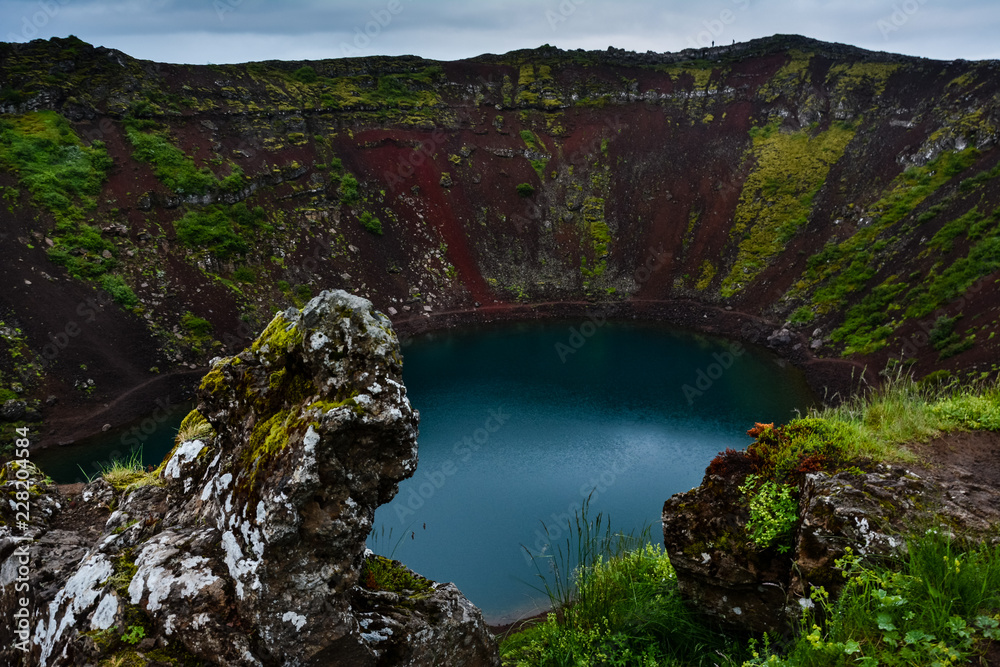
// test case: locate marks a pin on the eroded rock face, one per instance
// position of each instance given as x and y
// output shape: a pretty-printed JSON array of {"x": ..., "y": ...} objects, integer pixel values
[
  {"x": 249, "y": 547},
  {"x": 729, "y": 578}
]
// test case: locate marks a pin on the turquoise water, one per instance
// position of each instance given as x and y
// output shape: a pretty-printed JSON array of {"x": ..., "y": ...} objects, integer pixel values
[
  {"x": 516, "y": 431},
  {"x": 150, "y": 439},
  {"x": 520, "y": 424}
]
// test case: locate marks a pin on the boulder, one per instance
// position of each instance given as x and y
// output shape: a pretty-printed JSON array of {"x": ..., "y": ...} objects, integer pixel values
[
  {"x": 247, "y": 545},
  {"x": 871, "y": 512},
  {"x": 13, "y": 410}
]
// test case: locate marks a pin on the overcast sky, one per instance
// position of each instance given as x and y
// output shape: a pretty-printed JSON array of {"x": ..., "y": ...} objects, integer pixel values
[{"x": 228, "y": 31}]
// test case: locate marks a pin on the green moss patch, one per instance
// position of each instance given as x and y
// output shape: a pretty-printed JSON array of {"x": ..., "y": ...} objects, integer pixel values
[
  {"x": 381, "y": 574},
  {"x": 777, "y": 197}
]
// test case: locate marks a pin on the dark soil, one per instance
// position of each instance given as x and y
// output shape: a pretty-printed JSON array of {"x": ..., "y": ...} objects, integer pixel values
[{"x": 971, "y": 456}]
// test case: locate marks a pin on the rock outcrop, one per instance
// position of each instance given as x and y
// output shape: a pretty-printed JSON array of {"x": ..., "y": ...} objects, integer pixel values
[
  {"x": 871, "y": 512},
  {"x": 247, "y": 545}
]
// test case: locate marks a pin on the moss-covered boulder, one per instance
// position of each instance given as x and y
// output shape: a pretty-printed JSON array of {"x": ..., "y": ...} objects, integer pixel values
[
  {"x": 729, "y": 577},
  {"x": 247, "y": 545}
]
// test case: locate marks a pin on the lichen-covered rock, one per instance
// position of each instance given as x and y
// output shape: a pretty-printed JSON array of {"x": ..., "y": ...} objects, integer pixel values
[
  {"x": 246, "y": 546},
  {"x": 726, "y": 576}
]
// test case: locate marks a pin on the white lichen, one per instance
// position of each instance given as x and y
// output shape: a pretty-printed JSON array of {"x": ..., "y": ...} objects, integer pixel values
[{"x": 186, "y": 452}]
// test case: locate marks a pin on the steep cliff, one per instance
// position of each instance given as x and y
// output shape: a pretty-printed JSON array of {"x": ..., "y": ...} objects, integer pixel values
[
  {"x": 247, "y": 545},
  {"x": 163, "y": 212}
]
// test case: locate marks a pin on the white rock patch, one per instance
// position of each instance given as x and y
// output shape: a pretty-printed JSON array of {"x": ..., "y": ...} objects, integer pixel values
[
  {"x": 295, "y": 619},
  {"x": 104, "y": 617},
  {"x": 186, "y": 452}
]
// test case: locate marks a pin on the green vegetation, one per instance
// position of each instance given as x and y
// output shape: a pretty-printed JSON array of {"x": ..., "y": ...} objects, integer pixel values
[
  {"x": 63, "y": 175},
  {"x": 843, "y": 268},
  {"x": 615, "y": 597},
  {"x": 774, "y": 513},
  {"x": 903, "y": 411},
  {"x": 616, "y": 603},
  {"x": 381, "y": 574},
  {"x": 536, "y": 87},
  {"x": 597, "y": 239},
  {"x": 134, "y": 634},
  {"x": 224, "y": 231},
  {"x": 371, "y": 223},
  {"x": 119, "y": 290},
  {"x": 127, "y": 474},
  {"x": 789, "y": 78},
  {"x": 80, "y": 248},
  {"x": 693, "y": 74},
  {"x": 305, "y": 74},
  {"x": 777, "y": 197},
  {"x": 708, "y": 272},
  {"x": 410, "y": 92},
  {"x": 933, "y": 606},
  {"x": 172, "y": 166},
  {"x": 349, "y": 190},
  {"x": 535, "y": 145},
  {"x": 245, "y": 274},
  {"x": 525, "y": 189},
  {"x": 193, "y": 427},
  {"x": 868, "y": 77}
]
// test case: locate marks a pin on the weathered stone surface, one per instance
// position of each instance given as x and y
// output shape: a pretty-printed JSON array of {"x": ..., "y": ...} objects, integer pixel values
[
  {"x": 248, "y": 548},
  {"x": 13, "y": 410},
  {"x": 728, "y": 577}
]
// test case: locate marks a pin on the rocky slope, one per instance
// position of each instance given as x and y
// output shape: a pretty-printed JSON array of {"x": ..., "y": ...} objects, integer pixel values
[
  {"x": 157, "y": 215},
  {"x": 247, "y": 546}
]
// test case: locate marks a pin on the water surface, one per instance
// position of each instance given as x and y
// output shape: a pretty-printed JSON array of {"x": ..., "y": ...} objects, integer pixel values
[{"x": 521, "y": 423}]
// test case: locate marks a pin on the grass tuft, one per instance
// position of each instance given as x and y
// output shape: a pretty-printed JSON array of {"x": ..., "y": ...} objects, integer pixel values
[
  {"x": 615, "y": 602},
  {"x": 127, "y": 474}
]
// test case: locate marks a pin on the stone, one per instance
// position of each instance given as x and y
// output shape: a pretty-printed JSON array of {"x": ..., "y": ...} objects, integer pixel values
[
  {"x": 720, "y": 571},
  {"x": 781, "y": 336},
  {"x": 247, "y": 545},
  {"x": 13, "y": 410}
]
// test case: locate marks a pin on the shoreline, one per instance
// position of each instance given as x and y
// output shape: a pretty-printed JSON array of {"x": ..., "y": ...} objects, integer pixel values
[{"x": 827, "y": 378}]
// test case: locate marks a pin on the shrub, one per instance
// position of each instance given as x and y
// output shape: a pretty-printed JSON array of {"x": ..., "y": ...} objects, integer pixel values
[
  {"x": 774, "y": 513},
  {"x": 196, "y": 325},
  {"x": 79, "y": 247},
  {"x": 302, "y": 294},
  {"x": 802, "y": 315},
  {"x": 119, "y": 290},
  {"x": 211, "y": 230},
  {"x": 942, "y": 333},
  {"x": 305, "y": 74},
  {"x": 235, "y": 181},
  {"x": 371, "y": 223},
  {"x": 525, "y": 190},
  {"x": 349, "y": 189},
  {"x": 221, "y": 230},
  {"x": 801, "y": 446},
  {"x": 244, "y": 274}
]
